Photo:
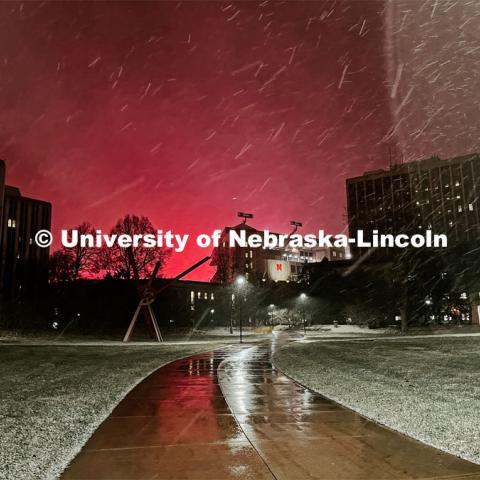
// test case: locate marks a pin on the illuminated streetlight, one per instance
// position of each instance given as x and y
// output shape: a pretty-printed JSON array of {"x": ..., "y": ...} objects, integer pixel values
[
  {"x": 241, "y": 281},
  {"x": 271, "y": 309},
  {"x": 303, "y": 298}
]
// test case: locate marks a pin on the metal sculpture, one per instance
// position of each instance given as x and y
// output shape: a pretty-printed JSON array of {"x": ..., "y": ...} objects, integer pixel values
[{"x": 149, "y": 295}]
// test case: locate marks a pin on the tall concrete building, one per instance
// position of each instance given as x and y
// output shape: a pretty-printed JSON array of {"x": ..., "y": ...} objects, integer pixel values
[
  {"x": 265, "y": 264},
  {"x": 23, "y": 265},
  {"x": 2, "y": 187},
  {"x": 433, "y": 194}
]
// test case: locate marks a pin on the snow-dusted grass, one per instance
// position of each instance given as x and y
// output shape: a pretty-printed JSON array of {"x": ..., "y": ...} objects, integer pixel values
[
  {"x": 427, "y": 388},
  {"x": 53, "y": 397},
  {"x": 224, "y": 332},
  {"x": 341, "y": 330}
]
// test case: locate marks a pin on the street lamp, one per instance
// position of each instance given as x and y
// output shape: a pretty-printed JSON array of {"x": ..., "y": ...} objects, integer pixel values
[
  {"x": 429, "y": 304},
  {"x": 303, "y": 298},
  {"x": 271, "y": 309},
  {"x": 240, "y": 282}
]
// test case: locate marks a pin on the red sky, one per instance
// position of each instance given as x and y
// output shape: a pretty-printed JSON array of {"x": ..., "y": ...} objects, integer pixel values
[{"x": 188, "y": 112}]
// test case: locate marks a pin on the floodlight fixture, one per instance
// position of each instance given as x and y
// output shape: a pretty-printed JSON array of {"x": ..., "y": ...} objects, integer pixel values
[
  {"x": 295, "y": 224},
  {"x": 245, "y": 216}
]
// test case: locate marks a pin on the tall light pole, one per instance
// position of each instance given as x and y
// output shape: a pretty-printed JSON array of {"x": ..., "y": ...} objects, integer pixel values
[
  {"x": 271, "y": 309},
  {"x": 295, "y": 224},
  {"x": 245, "y": 216},
  {"x": 231, "y": 313},
  {"x": 240, "y": 282},
  {"x": 303, "y": 299}
]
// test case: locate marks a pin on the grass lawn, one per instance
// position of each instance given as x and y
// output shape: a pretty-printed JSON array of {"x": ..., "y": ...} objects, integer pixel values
[
  {"x": 427, "y": 388},
  {"x": 54, "y": 396}
]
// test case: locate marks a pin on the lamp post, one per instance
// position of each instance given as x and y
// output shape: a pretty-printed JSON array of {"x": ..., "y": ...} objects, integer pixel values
[
  {"x": 303, "y": 298},
  {"x": 271, "y": 309},
  {"x": 240, "y": 282},
  {"x": 429, "y": 304}
]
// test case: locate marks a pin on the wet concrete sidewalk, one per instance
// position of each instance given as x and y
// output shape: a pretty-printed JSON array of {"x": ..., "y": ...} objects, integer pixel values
[{"x": 249, "y": 421}]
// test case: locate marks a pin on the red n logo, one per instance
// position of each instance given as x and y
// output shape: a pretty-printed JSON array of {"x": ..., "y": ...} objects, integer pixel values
[{"x": 279, "y": 267}]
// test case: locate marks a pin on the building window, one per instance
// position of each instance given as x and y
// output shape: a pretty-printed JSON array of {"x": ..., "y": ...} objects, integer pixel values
[{"x": 251, "y": 253}]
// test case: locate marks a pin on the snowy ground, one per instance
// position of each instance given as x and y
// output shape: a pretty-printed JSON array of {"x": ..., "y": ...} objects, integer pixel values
[
  {"x": 225, "y": 332},
  {"x": 341, "y": 330},
  {"x": 218, "y": 334},
  {"x": 427, "y": 388},
  {"x": 54, "y": 396}
]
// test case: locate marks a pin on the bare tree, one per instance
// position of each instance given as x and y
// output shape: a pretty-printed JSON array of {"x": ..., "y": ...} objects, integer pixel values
[
  {"x": 83, "y": 257},
  {"x": 132, "y": 262},
  {"x": 61, "y": 267}
]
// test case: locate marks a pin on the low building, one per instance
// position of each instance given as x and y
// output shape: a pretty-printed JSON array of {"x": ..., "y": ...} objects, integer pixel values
[
  {"x": 108, "y": 305},
  {"x": 265, "y": 264},
  {"x": 23, "y": 265}
]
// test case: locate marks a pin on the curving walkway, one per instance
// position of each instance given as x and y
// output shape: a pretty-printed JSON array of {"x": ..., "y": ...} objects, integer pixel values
[{"x": 231, "y": 415}]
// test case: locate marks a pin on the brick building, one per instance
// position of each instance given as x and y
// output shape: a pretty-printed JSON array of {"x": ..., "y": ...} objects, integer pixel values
[{"x": 266, "y": 264}]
